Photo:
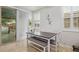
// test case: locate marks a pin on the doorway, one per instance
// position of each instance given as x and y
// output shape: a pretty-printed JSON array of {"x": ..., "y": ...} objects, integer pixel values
[{"x": 8, "y": 22}]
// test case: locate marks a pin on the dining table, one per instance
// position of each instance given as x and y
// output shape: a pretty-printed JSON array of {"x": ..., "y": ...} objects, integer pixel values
[{"x": 45, "y": 35}]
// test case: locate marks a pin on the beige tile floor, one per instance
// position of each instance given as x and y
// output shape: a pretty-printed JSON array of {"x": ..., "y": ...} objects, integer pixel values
[
  {"x": 16, "y": 47},
  {"x": 21, "y": 46}
]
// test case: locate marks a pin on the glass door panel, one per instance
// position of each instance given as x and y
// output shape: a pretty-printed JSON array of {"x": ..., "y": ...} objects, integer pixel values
[{"x": 8, "y": 21}]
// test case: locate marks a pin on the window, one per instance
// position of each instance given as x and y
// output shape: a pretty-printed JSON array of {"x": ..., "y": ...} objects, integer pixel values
[
  {"x": 76, "y": 19},
  {"x": 76, "y": 22},
  {"x": 67, "y": 20},
  {"x": 71, "y": 18}
]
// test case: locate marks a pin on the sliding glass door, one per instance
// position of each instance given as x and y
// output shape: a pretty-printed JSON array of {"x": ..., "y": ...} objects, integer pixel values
[
  {"x": 8, "y": 22},
  {"x": 0, "y": 25}
]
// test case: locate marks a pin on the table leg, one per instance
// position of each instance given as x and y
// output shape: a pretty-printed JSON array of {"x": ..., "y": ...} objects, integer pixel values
[{"x": 49, "y": 45}]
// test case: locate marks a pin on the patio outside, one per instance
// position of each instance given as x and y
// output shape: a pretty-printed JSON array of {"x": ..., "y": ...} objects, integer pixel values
[{"x": 8, "y": 25}]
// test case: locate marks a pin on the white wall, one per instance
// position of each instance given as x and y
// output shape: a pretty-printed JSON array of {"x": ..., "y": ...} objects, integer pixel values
[
  {"x": 56, "y": 16},
  {"x": 57, "y": 22},
  {"x": 70, "y": 38},
  {"x": 36, "y": 15},
  {"x": 22, "y": 24}
]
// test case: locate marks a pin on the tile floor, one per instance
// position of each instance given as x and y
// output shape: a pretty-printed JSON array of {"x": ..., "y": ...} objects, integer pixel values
[{"x": 21, "y": 46}]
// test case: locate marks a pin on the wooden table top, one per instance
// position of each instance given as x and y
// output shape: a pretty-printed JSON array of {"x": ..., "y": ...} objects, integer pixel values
[{"x": 47, "y": 35}]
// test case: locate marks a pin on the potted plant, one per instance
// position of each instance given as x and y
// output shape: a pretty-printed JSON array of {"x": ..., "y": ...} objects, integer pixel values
[{"x": 30, "y": 25}]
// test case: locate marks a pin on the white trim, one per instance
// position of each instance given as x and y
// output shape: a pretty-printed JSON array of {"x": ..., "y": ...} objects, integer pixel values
[
  {"x": 71, "y": 17},
  {"x": 19, "y": 9},
  {"x": 71, "y": 30}
]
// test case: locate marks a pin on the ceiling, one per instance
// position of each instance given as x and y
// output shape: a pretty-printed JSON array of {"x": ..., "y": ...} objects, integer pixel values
[{"x": 31, "y": 8}]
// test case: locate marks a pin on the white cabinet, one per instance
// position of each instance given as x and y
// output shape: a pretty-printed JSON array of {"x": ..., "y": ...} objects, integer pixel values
[{"x": 36, "y": 22}]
